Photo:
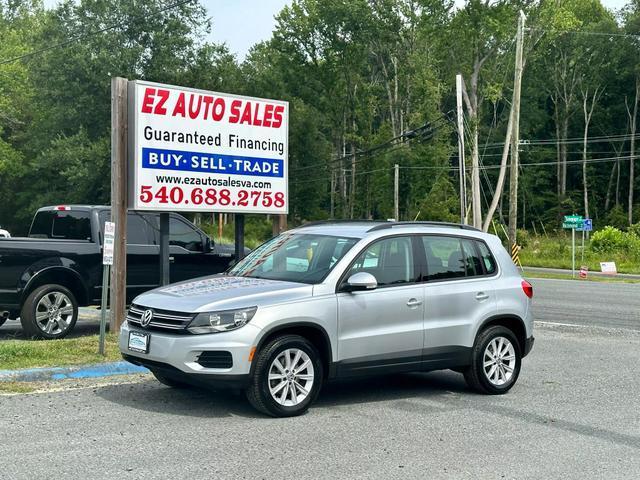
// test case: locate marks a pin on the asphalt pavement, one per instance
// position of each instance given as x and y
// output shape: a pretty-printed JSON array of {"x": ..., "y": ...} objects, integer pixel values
[{"x": 572, "y": 415}]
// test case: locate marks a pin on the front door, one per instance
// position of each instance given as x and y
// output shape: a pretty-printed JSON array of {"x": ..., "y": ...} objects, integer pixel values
[{"x": 382, "y": 328}]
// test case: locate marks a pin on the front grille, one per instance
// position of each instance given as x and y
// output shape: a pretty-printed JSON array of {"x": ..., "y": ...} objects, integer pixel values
[
  {"x": 163, "y": 320},
  {"x": 215, "y": 359}
]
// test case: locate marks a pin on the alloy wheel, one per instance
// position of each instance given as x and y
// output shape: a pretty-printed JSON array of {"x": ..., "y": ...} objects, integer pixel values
[
  {"x": 54, "y": 313},
  {"x": 291, "y": 377},
  {"x": 499, "y": 361}
]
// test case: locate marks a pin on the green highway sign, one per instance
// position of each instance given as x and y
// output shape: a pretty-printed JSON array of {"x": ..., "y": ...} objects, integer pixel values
[{"x": 572, "y": 221}]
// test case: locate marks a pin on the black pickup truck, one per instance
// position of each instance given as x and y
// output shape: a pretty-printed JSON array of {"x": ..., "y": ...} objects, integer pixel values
[{"x": 45, "y": 278}]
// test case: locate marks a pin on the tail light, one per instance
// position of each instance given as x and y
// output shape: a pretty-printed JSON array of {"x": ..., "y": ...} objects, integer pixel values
[
  {"x": 62, "y": 208},
  {"x": 527, "y": 288}
]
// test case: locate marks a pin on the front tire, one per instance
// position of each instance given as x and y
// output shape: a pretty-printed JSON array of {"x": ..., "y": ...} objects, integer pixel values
[
  {"x": 287, "y": 378},
  {"x": 495, "y": 361},
  {"x": 49, "y": 312}
]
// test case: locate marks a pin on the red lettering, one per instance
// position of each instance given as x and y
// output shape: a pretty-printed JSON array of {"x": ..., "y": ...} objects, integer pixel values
[
  {"x": 147, "y": 101},
  {"x": 257, "y": 121},
  {"x": 246, "y": 114},
  {"x": 235, "y": 111},
  {"x": 207, "y": 103},
  {"x": 179, "y": 109},
  {"x": 193, "y": 113},
  {"x": 218, "y": 109},
  {"x": 164, "y": 96},
  {"x": 277, "y": 116},
  {"x": 268, "y": 113}
]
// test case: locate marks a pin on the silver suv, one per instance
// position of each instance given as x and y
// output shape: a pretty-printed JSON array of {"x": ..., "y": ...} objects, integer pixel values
[{"x": 340, "y": 299}]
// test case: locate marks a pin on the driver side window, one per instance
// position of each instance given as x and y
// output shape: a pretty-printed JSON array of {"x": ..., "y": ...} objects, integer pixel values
[
  {"x": 389, "y": 260},
  {"x": 184, "y": 236}
]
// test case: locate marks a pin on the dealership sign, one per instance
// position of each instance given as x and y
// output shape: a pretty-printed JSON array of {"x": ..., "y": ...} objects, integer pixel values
[{"x": 194, "y": 150}]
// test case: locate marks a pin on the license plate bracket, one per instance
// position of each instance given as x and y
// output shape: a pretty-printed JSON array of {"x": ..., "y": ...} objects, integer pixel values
[{"x": 139, "y": 342}]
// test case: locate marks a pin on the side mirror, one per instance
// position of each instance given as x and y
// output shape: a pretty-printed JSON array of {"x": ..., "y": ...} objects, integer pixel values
[
  {"x": 207, "y": 245},
  {"x": 361, "y": 281}
]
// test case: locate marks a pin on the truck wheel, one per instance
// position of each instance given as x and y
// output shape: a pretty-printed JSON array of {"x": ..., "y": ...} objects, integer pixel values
[
  {"x": 287, "y": 378},
  {"x": 495, "y": 361},
  {"x": 169, "y": 382},
  {"x": 49, "y": 312}
]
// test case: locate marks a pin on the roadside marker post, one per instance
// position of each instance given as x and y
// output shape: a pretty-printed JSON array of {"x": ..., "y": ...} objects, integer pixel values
[
  {"x": 587, "y": 226},
  {"x": 107, "y": 261}
]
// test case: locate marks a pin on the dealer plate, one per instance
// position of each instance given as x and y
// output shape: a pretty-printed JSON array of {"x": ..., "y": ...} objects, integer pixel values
[{"x": 139, "y": 342}]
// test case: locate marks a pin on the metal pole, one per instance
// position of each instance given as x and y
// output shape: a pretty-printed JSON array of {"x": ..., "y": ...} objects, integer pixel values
[
  {"x": 573, "y": 252},
  {"x": 164, "y": 249},
  {"x": 119, "y": 142},
  {"x": 582, "y": 257},
  {"x": 396, "y": 190},
  {"x": 239, "y": 236},
  {"x": 461, "y": 162},
  {"x": 103, "y": 307}
]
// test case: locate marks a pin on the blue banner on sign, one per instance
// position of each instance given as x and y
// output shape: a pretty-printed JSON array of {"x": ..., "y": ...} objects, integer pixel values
[{"x": 161, "y": 159}]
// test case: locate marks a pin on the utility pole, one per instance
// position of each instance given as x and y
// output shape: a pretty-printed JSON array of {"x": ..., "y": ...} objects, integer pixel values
[
  {"x": 461, "y": 164},
  {"x": 119, "y": 137},
  {"x": 396, "y": 189},
  {"x": 515, "y": 139}
]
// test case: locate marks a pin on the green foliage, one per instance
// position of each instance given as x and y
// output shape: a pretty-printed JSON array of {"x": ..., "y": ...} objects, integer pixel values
[
  {"x": 616, "y": 217},
  {"x": 611, "y": 240}
]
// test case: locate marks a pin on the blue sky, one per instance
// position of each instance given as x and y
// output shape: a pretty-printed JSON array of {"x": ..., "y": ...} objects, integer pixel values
[{"x": 242, "y": 23}]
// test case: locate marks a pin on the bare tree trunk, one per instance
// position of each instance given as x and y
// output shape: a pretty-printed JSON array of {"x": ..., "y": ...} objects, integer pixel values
[
  {"x": 607, "y": 201},
  {"x": 563, "y": 156},
  {"x": 588, "y": 113}
]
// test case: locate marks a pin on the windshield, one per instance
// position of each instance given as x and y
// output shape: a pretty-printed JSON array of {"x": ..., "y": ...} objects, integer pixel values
[{"x": 294, "y": 258}]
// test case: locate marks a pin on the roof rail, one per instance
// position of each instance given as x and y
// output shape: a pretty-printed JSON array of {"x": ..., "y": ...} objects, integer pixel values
[
  {"x": 329, "y": 222},
  {"x": 427, "y": 224}
]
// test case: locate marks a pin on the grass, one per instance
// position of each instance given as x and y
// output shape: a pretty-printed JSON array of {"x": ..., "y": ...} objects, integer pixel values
[
  {"x": 17, "y": 387},
  {"x": 15, "y": 354},
  {"x": 555, "y": 252},
  {"x": 564, "y": 276}
]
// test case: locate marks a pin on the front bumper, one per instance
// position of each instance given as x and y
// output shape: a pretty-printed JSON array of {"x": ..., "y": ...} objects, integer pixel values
[
  {"x": 177, "y": 355},
  {"x": 528, "y": 346}
]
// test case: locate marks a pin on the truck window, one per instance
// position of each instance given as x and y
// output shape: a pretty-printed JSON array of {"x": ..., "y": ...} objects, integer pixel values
[
  {"x": 67, "y": 225},
  {"x": 184, "y": 235},
  {"x": 139, "y": 227}
]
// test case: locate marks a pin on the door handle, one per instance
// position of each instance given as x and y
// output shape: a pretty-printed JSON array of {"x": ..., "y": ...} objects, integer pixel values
[
  {"x": 171, "y": 259},
  {"x": 414, "y": 302},
  {"x": 480, "y": 296}
]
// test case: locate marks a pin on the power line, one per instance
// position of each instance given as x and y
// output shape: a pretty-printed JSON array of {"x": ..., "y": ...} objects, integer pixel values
[
  {"x": 90, "y": 34},
  {"x": 583, "y": 32},
  {"x": 421, "y": 134},
  {"x": 569, "y": 141}
]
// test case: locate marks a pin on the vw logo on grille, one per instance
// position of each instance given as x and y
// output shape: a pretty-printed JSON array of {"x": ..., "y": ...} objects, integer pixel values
[{"x": 146, "y": 318}]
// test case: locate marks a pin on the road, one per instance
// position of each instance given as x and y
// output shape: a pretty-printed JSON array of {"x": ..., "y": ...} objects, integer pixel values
[
  {"x": 611, "y": 305},
  {"x": 572, "y": 415},
  {"x": 596, "y": 304}
]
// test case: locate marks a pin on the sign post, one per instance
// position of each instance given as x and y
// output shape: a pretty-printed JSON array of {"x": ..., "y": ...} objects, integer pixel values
[
  {"x": 587, "y": 226},
  {"x": 107, "y": 261},
  {"x": 200, "y": 151},
  {"x": 573, "y": 222}
]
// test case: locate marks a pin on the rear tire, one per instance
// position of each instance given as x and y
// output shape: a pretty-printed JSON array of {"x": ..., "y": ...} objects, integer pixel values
[
  {"x": 170, "y": 382},
  {"x": 495, "y": 361},
  {"x": 49, "y": 312},
  {"x": 287, "y": 377}
]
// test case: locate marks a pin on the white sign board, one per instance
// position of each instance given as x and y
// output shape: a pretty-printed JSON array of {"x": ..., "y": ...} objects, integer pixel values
[
  {"x": 109, "y": 238},
  {"x": 194, "y": 150},
  {"x": 608, "y": 267}
]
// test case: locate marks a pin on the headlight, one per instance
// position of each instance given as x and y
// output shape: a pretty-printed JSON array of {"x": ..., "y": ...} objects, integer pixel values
[{"x": 214, "y": 322}]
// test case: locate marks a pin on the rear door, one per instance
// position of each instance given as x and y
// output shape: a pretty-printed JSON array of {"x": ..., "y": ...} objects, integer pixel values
[
  {"x": 458, "y": 292},
  {"x": 382, "y": 328}
]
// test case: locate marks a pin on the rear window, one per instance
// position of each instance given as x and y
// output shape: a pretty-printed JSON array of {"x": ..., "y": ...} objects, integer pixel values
[{"x": 67, "y": 225}]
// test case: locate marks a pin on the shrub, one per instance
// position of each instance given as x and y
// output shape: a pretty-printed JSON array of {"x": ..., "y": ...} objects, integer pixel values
[{"x": 611, "y": 239}]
